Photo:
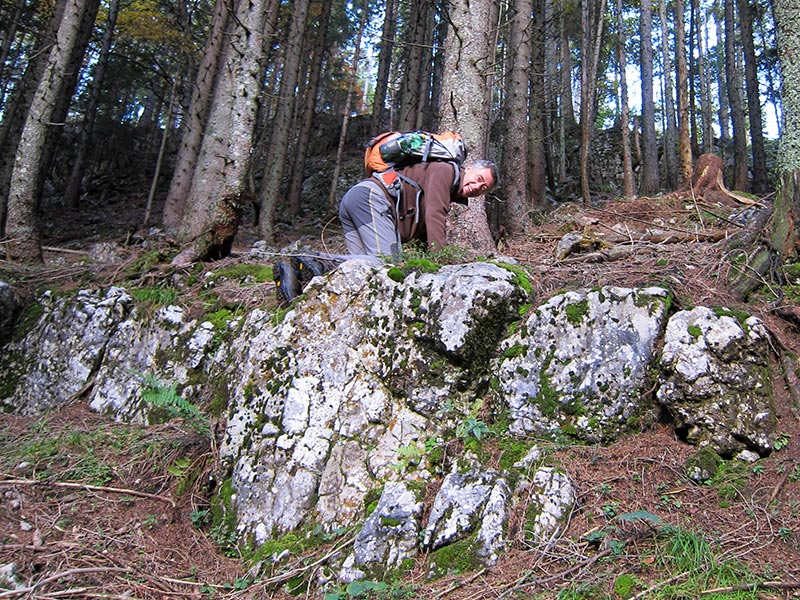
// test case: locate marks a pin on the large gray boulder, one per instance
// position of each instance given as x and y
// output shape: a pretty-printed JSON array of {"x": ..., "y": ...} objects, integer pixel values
[
  {"x": 715, "y": 380},
  {"x": 579, "y": 363}
]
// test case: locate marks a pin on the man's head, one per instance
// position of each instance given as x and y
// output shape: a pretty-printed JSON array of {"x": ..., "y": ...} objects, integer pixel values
[{"x": 478, "y": 178}]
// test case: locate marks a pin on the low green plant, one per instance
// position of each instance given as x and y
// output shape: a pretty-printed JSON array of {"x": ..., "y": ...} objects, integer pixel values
[
  {"x": 409, "y": 456},
  {"x": 166, "y": 397},
  {"x": 472, "y": 427},
  {"x": 690, "y": 557},
  {"x": 373, "y": 590}
]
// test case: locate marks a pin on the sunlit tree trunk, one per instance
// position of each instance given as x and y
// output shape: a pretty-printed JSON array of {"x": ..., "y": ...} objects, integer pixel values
[
  {"x": 22, "y": 228},
  {"x": 705, "y": 75},
  {"x": 15, "y": 110},
  {"x": 195, "y": 118},
  {"x": 211, "y": 212}
]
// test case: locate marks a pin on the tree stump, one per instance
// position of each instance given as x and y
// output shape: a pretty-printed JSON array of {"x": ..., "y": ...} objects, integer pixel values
[{"x": 706, "y": 181}]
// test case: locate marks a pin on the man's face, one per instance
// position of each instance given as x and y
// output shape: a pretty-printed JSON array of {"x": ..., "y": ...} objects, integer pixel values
[{"x": 476, "y": 181}]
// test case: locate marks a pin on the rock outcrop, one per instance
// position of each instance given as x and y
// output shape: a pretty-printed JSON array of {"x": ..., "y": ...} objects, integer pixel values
[{"x": 369, "y": 404}]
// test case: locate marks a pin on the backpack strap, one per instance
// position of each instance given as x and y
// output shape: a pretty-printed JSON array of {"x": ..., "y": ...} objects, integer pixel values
[{"x": 395, "y": 188}]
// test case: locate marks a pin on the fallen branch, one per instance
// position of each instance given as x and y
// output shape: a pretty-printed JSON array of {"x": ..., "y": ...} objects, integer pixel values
[
  {"x": 763, "y": 585},
  {"x": 57, "y": 576},
  {"x": 64, "y": 250},
  {"x": 92, "y": 488}
]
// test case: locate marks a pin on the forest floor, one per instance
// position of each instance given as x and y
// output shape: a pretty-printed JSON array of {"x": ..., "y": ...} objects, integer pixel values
[{"x": 95, "y": 509}]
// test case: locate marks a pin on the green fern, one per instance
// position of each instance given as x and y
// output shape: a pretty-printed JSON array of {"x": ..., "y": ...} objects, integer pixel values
[{"x": 166, "y": 397}]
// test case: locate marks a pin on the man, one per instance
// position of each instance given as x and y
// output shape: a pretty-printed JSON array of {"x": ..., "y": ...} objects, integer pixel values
[{"x": 377, "y": 218}]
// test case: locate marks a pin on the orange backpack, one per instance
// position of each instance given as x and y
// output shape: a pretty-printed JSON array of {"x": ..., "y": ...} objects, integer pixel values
[{"x": 394, "y": 150}]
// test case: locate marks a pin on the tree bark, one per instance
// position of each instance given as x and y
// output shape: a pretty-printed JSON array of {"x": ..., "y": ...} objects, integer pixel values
[
  {"x": 195, "y": 119},
  {"x": 735, "y": 101},
  {"x": 411, "y": 91},
  {"x": 22, "y": 228},
  {"x": 649, "y": 183},
  {"x": 515, "y": 155},
  {"x": 670, "y": 129},
  {"x": 786, "y": 222},
  {"x": 753, "y": 98},
  {"x": 346, "y": 113},
  {"x": 380, "y": 119},
  {"x": 704, "y": 68},
  {"x": 628, "y": 184},
  {"x": 469, "y": 58},
  {"x": 211, "y": 213},
  {"x": 684, "y": 130},
  {"x": 73, "y": 190},
  {"x": 590, "y": 59},
  {"x": 281, "y": 129},
  {"x": 15, "y": 111},
  {"x": 537, "y": 131},
  {"x": 293, "y": 196}
]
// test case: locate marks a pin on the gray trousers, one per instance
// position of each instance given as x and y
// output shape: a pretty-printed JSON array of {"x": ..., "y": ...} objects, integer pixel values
[{"x": 367, "y": 220}]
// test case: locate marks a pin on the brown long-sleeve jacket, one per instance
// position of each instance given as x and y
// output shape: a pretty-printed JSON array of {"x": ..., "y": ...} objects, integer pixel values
[{"x": 422, "y": 208}]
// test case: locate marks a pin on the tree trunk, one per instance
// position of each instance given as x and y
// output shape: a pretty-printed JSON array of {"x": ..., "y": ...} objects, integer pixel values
[
  {"x": 346, "y": 112},
  {"x": 195, "y": 119},
  {"x": 515, "y": 148},
  {"x": 380, "y": 119},
  {"x": 281, "y": 129},
  {"x": 411, "y": 91},
  {"x": 704, "y": 71},
  {"x": 469, "y": 58},
  {"x": 537, "y": 130},
  {"x": 649, "y": 183},
  {"x": 628, "y": 184},
  {"x": 9, "y": 34},
  {"x": 684, "y": 130},
  {"x": 73, "y": 190},
  {"x": 735, "y": 101},
  {"x": 16, "y": 109},
  {"x": 432, "y": 110},
  {"x": 753, "y": 98},
  {"x": 22, "y": 228},
  {"x": 670, "y": 129},
  {"x": 786, "y": 221},
  {"x": 211, "y": 213},
  {"x": 590, "y": 58},
  {"x": 293, "y": 197}
]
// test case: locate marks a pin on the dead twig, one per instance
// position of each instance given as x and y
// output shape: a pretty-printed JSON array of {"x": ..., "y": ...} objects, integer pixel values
[
  {"x": 92, "y": 488},
  {"x": 61, "y": 575},
  {"x": 763, "y": 585}
]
